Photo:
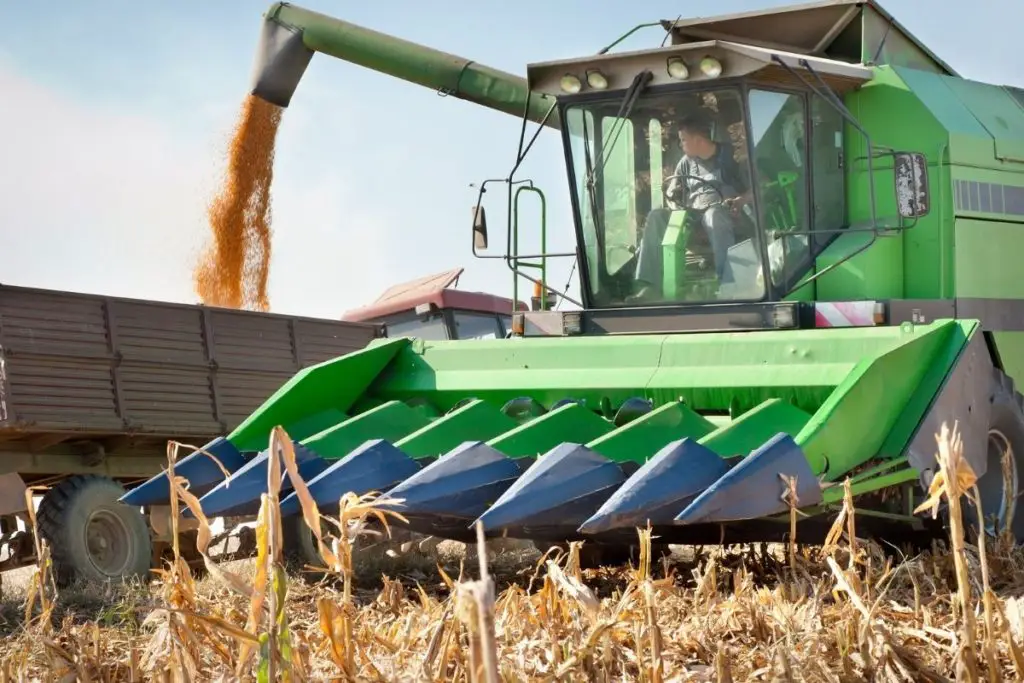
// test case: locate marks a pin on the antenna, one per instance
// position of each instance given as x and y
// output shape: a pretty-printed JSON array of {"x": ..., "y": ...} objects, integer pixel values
[{"x": 671, "y": 27}]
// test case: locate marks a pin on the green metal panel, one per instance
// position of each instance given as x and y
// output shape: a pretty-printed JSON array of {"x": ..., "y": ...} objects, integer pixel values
[
  {"x": 819, "y": 386},
  {"x": 806, "y": 292},
  {"x": 571, "y": 422},
  {"x": 317, "y": 422},
  {"x": 988, "y": 259},
  {"x": 927, "y": 389},
  {"x": 753, "y": 428},
  {"x": 334, "y": 384},
  {"x": 841, "y": 395},
  {"x": 1016, "y": 93},
  {"x": 969, "y": 142},
  {"x": 1010, "y": 346},
  {"x": 997, "y": 111},
  {"x": 874, "y": 393},
  {"x": 641, "y": 438},
  {"x": 896, "y": 117},
  {"x": 929, "y": 261},
  {"x": 673, "y": 247},
  {"x": 823, "y": 388},
  {"x": 475, "y": 421},
  {"x": 733, "y": 372},
  {"x": 280, "y": 64},
  {"x": 392, "y": 420},
  {"x": 874, "y": 273}
]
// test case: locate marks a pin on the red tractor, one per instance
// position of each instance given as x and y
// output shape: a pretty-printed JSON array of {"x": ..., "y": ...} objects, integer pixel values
[{"x": 431, "y": 307}]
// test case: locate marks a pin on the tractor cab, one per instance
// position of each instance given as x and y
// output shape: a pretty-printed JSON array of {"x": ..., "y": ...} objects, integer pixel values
[{"x": 431, "y": 307}]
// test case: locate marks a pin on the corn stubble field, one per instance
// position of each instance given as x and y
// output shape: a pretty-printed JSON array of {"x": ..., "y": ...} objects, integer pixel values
[{"x": 844, "y": 611}]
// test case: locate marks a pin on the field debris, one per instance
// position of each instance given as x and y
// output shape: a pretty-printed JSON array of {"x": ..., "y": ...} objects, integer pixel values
[{"x": 849, "y": 610}]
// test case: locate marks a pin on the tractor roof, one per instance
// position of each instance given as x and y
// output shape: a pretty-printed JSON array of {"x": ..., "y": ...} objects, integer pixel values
[
  {"x": 856, "y": 31},
  {"x": 436, "y": 289}
]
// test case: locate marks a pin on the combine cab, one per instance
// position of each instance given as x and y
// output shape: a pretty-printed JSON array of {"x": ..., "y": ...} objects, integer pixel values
[{"x": 804, "y": 300}]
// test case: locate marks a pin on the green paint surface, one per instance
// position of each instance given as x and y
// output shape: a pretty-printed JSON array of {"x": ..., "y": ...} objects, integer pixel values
[
  {"x": 642, "y": 438},
  {"x": 476, "y": 421},
  {"x": 392, "y": 420},
  {"x": 731, "y": 391},
  {"x": 753, "y": 428},
  {"x": 988, "y": 257},
  {"x": 411, "y": 62},
  {"x": 335, "y": 384},
  {"x": 570, "y": 422}
]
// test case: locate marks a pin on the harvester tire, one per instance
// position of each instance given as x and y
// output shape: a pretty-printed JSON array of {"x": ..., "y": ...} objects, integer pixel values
[
  {"x": 299, "y": 544},
  {"x": 1000, "y": 486},
  {"x": 300, "y": 550},
  {"x": 92, "y": 536}
]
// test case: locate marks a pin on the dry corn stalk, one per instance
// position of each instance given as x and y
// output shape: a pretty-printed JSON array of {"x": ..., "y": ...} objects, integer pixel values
[
  {"x": 182, "y": 631},
  {"x": 41, "y": 583},
  {"x": 954, "y": 477},
  {"x": 475, "y": 605},
  {"x": 725, "y": 624}
]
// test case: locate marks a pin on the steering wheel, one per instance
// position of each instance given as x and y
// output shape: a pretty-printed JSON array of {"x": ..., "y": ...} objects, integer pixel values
[{"x": 703, "y": 181}]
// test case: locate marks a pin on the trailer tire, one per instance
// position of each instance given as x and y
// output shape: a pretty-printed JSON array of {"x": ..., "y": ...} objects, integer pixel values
[
  {"x": 1000, "y": 486},
  {"x": 92, "y": 536}
]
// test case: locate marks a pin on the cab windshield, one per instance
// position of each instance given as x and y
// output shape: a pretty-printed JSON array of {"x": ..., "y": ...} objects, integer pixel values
[{"x": 665, "y": 198}]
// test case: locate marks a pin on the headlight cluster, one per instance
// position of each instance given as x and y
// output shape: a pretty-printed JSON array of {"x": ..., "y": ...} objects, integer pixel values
[
  {"x": 677, "y": 69},
  {"x": 596, "y": 80}
]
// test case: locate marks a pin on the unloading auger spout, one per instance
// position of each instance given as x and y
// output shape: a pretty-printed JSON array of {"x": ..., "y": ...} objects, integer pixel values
[{"x": 291, "y": 35}]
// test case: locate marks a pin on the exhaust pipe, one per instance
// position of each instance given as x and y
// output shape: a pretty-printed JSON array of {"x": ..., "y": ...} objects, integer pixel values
[{"x": 291, "y": 35}]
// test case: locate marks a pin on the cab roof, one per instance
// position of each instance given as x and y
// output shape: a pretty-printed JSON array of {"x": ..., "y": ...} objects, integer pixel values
[
  {"x": 855, "y": 31},
  {"x": 438, "y": 290}
]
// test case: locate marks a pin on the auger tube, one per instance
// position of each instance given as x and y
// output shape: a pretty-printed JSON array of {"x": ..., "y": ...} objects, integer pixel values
[{"x": 291, "y": 35}]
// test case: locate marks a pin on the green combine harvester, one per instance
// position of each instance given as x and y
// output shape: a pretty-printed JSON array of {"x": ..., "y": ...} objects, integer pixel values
[{"x": 823, "y": 281}]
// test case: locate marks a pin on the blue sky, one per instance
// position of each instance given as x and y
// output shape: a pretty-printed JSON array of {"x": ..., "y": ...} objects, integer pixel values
[{"x": 116, "y": 116}]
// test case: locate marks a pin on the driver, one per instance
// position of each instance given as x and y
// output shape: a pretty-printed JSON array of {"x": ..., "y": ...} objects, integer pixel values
[{"x": 718, "y": 199}]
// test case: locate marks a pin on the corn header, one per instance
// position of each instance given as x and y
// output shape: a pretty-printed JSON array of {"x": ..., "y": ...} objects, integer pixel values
[{"x": 796, "y": 238}]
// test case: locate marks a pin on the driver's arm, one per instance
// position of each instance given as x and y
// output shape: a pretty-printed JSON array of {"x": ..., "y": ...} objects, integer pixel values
[
  {"x": 739, "y": 178},
  {"x": 678, "y": 187}
]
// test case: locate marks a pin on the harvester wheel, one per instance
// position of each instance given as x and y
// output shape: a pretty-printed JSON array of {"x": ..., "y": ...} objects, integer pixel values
[
  {"x": 1000, "y": 486},
  {"x": 92, "y": 536},
  {"x": 299, "y": 543}
]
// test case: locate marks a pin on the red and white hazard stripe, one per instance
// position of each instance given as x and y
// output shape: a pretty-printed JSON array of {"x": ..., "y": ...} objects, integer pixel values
[{"x": 846, "y": 313}]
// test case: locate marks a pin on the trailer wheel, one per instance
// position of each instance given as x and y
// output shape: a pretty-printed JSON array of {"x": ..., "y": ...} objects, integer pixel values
[
  {"x": 1000, "y": 486},
  {"x": 92, "y": 536}
]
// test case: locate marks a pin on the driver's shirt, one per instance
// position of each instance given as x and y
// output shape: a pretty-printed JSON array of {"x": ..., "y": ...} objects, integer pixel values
[{"x": 721, "y": 171}]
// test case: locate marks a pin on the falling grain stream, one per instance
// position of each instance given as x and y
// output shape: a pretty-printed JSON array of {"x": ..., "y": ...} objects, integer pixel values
[{"x": 233, "y": 270}]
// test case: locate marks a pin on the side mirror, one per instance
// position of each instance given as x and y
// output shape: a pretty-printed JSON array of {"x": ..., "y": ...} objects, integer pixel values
[
  {"x": 479, "y": 228},
  {"x": 910, "y": 170}
]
